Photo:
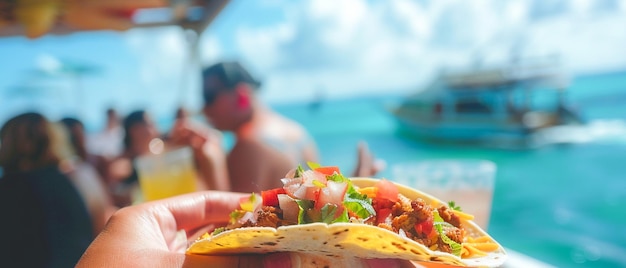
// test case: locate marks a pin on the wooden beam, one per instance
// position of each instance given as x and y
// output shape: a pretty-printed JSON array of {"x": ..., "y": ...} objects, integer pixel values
[{"x": 210, "y": 10}]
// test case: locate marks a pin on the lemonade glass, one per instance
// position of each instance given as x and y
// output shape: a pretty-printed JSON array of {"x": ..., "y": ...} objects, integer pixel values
[{"x": 166, "y": 174}]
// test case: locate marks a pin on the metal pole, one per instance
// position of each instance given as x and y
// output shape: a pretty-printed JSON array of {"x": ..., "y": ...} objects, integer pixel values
[{"x": 190, "y": 63}]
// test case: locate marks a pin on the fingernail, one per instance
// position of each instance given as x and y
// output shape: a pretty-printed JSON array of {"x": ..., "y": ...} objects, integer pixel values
[{"x": 278, "y": 260}]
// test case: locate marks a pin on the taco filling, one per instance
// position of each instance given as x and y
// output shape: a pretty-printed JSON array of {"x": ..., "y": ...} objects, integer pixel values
[{"x": 329, "y": 220}]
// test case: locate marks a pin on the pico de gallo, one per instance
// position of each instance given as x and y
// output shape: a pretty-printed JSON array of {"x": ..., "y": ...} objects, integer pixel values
[{"x": 323, "y": 194}]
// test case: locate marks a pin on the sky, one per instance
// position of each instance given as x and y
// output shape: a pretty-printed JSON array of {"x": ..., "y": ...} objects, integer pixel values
[{"x": 302, "y": 49}]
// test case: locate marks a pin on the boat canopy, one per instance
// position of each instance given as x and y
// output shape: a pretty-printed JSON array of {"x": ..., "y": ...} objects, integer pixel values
[
  {"x": 546, "y": 76},
  {"x": 35, "y": 18}
]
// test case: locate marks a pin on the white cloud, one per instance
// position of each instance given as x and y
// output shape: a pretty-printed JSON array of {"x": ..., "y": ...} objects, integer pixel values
[
  {"x": 584, "y": 45},
  {"x": 260, "y": 47},
  {"x": 339, "y": 21},
  {"x": 356, "y": 46},
  {"x": 160, "y": 52}
]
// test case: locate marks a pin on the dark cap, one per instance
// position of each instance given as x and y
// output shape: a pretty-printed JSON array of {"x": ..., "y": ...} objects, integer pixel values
[
  {"x": 224, "y": 76},
  {"x": 227, "y": 75}
]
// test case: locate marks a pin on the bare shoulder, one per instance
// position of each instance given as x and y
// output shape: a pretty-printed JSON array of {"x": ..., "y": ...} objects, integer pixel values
[
  {"x": 253, "y": 153},
  {"x": 285, "y": 128},
  {"x": 253, "y": 165}
]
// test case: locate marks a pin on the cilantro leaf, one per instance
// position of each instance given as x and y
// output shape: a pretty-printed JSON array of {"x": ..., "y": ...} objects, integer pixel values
[
  {"x": 218, "y": 230},
  {"x": 438, "y": 223},
  {"x": 453, "y": 206},
  {"x": 329, "y": 214},
  {"x": 304, "y": 205},
  {"x": 343, "y": 217},
  {"x": 336, "y": 177},
  {"x": 299, "y": 171},
  {"x": 236, "y": 215},
  {"x": 360, "y": 204}
]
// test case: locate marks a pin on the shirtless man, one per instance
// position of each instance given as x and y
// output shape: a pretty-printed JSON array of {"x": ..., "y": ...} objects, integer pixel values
[{"x": 268, "y": 144}]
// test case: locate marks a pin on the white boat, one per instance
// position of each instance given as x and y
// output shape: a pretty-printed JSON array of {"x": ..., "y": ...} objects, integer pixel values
[{"x": 488, "y": 104}]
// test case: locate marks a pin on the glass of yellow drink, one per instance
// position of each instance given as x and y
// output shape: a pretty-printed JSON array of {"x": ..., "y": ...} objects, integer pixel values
[
  {"x": 166, "y": 174},
  {"x": 467, "y": 182}
]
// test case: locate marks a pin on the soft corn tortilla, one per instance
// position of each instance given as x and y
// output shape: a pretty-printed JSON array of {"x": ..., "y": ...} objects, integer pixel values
[{"x": 339, "y": 243}]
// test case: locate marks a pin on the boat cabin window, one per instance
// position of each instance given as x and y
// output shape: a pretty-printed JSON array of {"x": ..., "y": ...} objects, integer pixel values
[{"x": 471, "y": 106}]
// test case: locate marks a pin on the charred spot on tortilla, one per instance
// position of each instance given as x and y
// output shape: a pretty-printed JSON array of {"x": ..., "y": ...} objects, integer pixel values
[
  {"x": 416, "y": 252},
  {"x": 398, "y": 246}
]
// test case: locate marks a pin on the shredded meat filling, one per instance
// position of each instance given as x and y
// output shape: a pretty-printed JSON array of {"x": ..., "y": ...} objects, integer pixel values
[
  {"x": 449, "y": 216},
  {"x": 406, "y": 214},
  {"x": 268, "y": 216}
]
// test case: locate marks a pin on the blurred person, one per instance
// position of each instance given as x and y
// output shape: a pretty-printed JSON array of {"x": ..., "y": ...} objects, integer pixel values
[
  {"x": 85, "y": 177},
  {"x": 108, "y": 142},
  {"x": 268, "y": 144},
  {"x": 147, "y": 235},
  {"x": 139, "y": 131},
  {"x": 78, "y": 140},
  {"x": 45, "y": 222}
]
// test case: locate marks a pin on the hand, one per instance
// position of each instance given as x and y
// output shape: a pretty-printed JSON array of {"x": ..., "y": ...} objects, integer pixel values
[
  {"x": 367, "y": 165},
  {"x": 148, "y": 235},
  {"x": 209, "y": 156},
  {"x": 185, "y": 132}
]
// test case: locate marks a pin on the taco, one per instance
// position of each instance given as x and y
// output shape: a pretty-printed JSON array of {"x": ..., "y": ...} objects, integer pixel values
[{"x": 332, "y": 221}]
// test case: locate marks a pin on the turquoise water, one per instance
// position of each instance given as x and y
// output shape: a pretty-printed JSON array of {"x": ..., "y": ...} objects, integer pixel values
[{"x": 564, "y": 204}]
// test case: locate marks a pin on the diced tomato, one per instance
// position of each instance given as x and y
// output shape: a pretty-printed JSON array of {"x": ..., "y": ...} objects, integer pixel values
[
  {"x": 330, "y": 170},
  {"x": 425, "y": 227},
  {"x": 270, "y": 197},
  {"x": 387, "y": 190},
  {"x": 382, "y": 214},
  {"x": 382, "y": 204}
]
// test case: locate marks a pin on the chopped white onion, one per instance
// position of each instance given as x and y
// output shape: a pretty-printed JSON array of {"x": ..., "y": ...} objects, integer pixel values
[
  {"x": 289, "y": 206},
  {"x": 402, "y": 233}
]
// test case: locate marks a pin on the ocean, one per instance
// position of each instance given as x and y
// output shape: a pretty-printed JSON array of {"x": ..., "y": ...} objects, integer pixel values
[{"x": 562, "y": 203}]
